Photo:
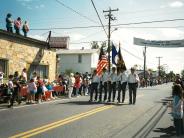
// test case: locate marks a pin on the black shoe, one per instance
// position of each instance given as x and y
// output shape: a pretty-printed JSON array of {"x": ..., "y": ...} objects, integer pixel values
[
  {"x": 10, "y": 106},
  {"x": 130, "y": 103}
]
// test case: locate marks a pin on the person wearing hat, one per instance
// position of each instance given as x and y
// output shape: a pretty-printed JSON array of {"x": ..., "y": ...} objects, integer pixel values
[{"x": 133, "y": 80}]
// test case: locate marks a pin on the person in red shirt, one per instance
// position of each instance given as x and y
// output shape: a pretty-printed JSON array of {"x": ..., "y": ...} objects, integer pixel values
[
  {"x": 39, "y": 89},
  {"x": 17, "y": 25},
  {"x": 77, "y": 83}
]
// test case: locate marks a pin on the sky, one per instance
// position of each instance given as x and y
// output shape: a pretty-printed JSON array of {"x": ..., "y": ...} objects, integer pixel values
[{"x": 49, "y": 14}]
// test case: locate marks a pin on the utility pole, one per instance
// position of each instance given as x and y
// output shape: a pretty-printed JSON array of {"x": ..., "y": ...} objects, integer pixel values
[
  {"x": 159, "y": 65},
  {"x": 145, "y": 63},
  {"x": 110, "y": 17}
]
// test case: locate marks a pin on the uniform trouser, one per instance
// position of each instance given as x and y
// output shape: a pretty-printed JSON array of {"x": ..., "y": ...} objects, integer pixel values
[
  {"x": 132, "y": 90},
  {"x": 70, "y": 91},
  {"x": 121, "y": 88},
  {"x": 178, "y": 123},
  {"x": 14, "y": 97},
  {"x": 94, "y": 88},
  {"x": 103, "y": 86},
  {"x": 112, "y": 89}
]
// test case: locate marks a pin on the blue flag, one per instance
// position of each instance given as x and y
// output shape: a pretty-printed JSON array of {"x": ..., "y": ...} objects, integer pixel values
[{"x": 114, "y": 54}]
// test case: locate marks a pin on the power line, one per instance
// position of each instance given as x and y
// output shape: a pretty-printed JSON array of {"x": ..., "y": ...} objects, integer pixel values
[
  {"x": 99, "y": 17},
  {"x": 80, "y": 14},
  {"x": 148, "y": 22},
  {"x": 87, "y": 42},
  {"x": 132, "y": 54},
  {"x": 117, "y": 25},
  {"x": 152, "y": 27},
  {"x": 90, "y": 35}
]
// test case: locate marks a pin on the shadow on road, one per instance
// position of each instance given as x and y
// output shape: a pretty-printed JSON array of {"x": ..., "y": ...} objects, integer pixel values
[
  {"x": 149, "y": 89},
  {"x": 168, "y": 132},
  {"x": 91, "y": 103}
]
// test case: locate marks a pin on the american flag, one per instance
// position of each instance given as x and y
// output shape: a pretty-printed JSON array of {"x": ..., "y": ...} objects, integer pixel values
[{"x": 102, "y": 62}]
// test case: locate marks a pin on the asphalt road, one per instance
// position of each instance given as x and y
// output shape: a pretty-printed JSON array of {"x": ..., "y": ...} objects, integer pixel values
[{"x": 77, "y": 118}]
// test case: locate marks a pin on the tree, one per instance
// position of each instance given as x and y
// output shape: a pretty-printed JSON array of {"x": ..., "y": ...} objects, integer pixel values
[
  {"x": 94, "y": 45},
  {"x": 171, "y": 75},
  {"x": 182, "y": 73}
]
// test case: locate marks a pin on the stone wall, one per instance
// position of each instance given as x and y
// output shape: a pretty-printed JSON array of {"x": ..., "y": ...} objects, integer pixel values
[{"x": 20, "y": 54}]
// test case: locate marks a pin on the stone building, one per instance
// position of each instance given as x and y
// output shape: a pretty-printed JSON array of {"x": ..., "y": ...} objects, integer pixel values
[{"x": 18, "y": 52}]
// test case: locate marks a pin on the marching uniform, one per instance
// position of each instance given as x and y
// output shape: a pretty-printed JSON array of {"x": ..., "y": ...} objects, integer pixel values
[
  {"x": 113, "y": 79},
  {"x": 133, "y": 80},
  {"x": 94, "y": 87},
  {"x": 104, "y": 81},
  {"x": 124, "y": 78}
]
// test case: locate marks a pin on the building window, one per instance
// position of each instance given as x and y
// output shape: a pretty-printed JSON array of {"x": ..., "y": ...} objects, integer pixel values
[
  {"x": 4, "y": 67},
  {"x": 41, "y": 70},
  {"x": 79, "y": 58}
]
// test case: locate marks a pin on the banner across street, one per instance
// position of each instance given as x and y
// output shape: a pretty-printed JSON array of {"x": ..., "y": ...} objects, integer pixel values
[{"x": 159, "y": 43}]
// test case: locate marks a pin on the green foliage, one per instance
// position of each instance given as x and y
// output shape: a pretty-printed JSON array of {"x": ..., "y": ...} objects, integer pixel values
[
  {"x": 68, "y": 71},
  {"x": 94, "y": 45},
  {"x": 182, "y": 73}
]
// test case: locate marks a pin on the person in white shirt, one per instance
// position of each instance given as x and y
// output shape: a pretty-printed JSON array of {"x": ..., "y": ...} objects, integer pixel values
[
  {"x": 113, "y": 79},
  {"x": 11, "y": 89},
  {"x": 123, "y": 83},
  {"x": 1, "y": 77},
  {"x": 103, "y": 84},
  {"x": 94, "y": 85},
  {"x": 24, "y": 74},
  {"x": 133, "y": 80},
  {"x": 71, "y": 82}
]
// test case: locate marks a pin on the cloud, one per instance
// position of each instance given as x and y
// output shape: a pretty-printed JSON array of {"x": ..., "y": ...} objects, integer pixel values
[
  {"x": 76, "y": 36},
  {"x": 25, "y": 0},
  {"x": 30, "y": 5},
  {"x": 39, "y": 6},
  {"x": 176, "y": 4},
  {"x": 38, "y": 37},
  {"x": 171, "y": 33}
]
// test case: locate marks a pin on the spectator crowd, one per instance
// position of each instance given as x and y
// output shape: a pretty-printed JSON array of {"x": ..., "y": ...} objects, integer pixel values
[{"x": 17, "y": 25}]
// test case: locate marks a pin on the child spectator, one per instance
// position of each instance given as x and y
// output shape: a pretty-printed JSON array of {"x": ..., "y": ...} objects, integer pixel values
[
  {"x": 9, "y": 23},
  {"x": 25, "y": 28},
  {"x": 77, "y": 83},
  {"x": 32, "y": 89},
  {"x": 50, "y": 89},
  {"x": 17, "y": 25},
  {"x": 177, "y": 112},
  {"x": 39, "y": 89}
]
